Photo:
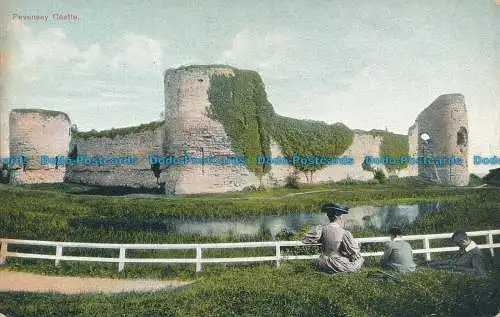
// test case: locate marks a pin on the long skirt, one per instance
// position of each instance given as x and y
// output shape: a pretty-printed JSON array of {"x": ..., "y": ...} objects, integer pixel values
[{"x": 338, "y": 264}]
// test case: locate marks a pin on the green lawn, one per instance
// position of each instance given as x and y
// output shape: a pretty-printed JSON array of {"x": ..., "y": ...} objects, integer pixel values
[
  {"x": 292, "y": 290},
  {"x": 295, "y": 289}
]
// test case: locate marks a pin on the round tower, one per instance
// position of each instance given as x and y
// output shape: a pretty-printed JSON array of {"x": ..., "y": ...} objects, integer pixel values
[
  {"x": 190, "y": 131},
  {"x": 443, "y": 133},
  {"x": 35, "y": 134}
]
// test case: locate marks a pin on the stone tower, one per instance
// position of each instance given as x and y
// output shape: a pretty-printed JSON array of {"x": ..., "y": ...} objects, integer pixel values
[
  {"x": 190, "y": 132},
  {"x": 442, "y": 130},
  {"x": 34, "y": 133}
]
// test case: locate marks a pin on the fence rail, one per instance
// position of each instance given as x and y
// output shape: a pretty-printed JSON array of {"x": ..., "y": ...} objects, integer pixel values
[{"x": 199, "y": 259}]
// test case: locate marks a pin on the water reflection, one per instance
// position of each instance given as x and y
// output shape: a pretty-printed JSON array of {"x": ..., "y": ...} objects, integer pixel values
[{"x": 372, "y": 217}]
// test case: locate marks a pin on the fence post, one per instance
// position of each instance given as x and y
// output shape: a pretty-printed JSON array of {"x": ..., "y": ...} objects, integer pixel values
[
  {"x": 490, "y": 242},
  {"x": 278, "y": 254},
  {"x": 3, "y": 251},
  {"x": 198, "y": 258},
  {"x": 121, "y": 264},
  {"x": 59, "y": 253},
  {"x": 427, "y": 249}
]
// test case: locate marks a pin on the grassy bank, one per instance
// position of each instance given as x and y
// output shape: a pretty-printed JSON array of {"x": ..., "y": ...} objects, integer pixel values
[
  {"x": 56, "y": 216},
  {"x": 295, "y": 289},
  {"x": 292, "y": 290}
]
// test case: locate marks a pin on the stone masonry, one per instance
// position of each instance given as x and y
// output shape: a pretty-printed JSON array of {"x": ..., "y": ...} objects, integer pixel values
[
  {"x": 189, "y": 131},
  {"x": 34, "y": 133},
  {"x": 137, "y": 145},
  {"x": 444, "y": 124}
]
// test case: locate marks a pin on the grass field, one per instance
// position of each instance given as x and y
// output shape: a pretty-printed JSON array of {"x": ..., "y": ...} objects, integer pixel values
[{"x": 295, "y": 289}]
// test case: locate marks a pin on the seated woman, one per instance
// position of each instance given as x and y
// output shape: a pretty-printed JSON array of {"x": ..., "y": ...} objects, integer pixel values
[
  {"x": 398, "y": 254},
  {"x": 340, "y": 251}
]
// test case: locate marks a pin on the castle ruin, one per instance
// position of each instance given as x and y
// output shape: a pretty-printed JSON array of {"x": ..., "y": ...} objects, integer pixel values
[
  {"x": 189, "y": 129},
  {"x": 441, "y": 130}
]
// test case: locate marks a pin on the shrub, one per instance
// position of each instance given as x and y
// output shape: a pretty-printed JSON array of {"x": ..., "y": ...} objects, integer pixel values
[
  {"x": 250, "y": 188},
  {"x": 292, "y": 181},
  {"x": 380, "y": 176},
  {"x": 475, "y": 180}
]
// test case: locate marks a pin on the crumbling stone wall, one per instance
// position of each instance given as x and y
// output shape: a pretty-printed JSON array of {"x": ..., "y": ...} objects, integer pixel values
[
  {"x": 362, "y": 145},
  {"x": 189, "y": 130},
  {"x": 138, "y": 145},
  {"x": 445, "y": 122},
  {"x": 33, "y": 133}
]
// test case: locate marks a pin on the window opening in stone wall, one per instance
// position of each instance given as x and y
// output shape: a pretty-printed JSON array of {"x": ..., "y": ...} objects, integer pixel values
[
  {"x": 25, "y": 163},
  {"x": 426, "y": 137},
  {"x": 200, "y": 80},
  {"x": 73, "y": 154},
  {"x": 426, "y": 140},
  {"x": 462, "y": 139},
  {"x": 156, "y": 172}
]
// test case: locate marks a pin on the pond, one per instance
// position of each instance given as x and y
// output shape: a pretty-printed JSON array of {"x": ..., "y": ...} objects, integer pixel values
[
  {"x": 378, "y": 218},
  {"x": 375, "y": 218}
]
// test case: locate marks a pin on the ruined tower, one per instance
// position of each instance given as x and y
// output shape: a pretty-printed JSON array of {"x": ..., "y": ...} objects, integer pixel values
[
  {"x": 33, "y": 134},
  {"x": 189, "y": 132},
  {"x": 442, "y": 130}
]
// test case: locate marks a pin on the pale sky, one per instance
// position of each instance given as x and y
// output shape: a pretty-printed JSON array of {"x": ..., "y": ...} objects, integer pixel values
[{"x": 366, "y": 63}]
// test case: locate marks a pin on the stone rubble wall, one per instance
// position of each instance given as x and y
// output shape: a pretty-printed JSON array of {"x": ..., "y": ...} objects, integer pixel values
[
  {"x": 362, "y": 145},
  {"x": 190, "y": 131},
  {"x": 35, "y": 133},
  {"x": 139, "y": 145},
  {"x": 442, "y": 121}
]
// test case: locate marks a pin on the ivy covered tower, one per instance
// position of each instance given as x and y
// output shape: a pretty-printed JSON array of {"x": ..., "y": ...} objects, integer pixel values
[{"x": 192, "y": 131}]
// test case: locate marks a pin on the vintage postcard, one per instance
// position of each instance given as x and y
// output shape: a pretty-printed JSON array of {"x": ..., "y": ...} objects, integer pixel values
[{"x": 250, "y": 158}]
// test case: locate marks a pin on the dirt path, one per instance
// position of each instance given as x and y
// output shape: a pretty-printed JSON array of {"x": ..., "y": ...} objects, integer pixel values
[{"x": 28, "y": 282}]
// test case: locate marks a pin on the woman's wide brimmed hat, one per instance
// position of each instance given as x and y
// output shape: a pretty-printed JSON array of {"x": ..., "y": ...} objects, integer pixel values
[{"x": 334, "y": 209}]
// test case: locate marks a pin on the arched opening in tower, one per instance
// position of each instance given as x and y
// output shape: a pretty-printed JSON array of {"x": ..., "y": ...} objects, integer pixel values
[
  {"x": 425, "y": 140},
  {"x": 462, "y": 139}
]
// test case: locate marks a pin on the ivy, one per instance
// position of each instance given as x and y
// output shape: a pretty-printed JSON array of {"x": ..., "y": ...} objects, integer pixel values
[
  {"x": 240, "y": 103},
  {"x": 118, "y": 132},
  {"x": 393, "y": 145},
  {"x": 309, "y": 138},
  {"x": 43, "y": 113}
]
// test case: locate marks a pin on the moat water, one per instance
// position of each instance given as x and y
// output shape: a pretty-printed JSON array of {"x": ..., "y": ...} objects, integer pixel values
[
  {"x": 378, "y": 218},
  {"x": 374, "y": 218}
]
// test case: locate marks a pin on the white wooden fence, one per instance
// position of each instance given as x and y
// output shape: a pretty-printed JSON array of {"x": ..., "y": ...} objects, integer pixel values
[{"x": 199, "y": 259}]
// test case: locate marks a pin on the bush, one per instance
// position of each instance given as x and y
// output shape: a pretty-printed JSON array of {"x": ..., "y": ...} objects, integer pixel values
[
  {"x": 475, "y": 180},
  {"x": 380, "y": 176},
  {"x": 250, "y": 188},
  {"x": 253, "y": 188},
  {"x": 292, "y": 181}
]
